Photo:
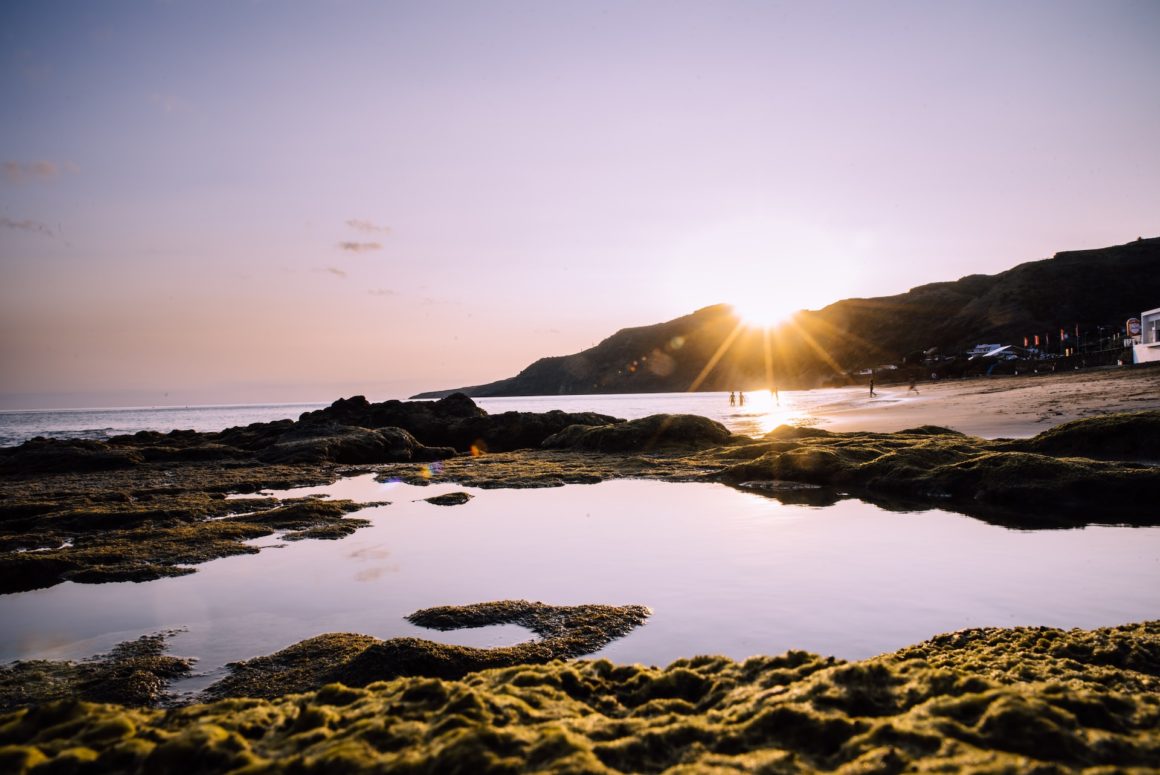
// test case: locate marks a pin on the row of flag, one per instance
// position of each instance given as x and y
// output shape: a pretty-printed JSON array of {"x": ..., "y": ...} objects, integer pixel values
[{"x": 1063, "y": 337}]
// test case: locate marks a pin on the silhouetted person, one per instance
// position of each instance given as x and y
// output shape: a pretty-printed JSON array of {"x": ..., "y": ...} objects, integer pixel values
[
  {"x": 872, "y": 393},
  {"x": 732, "y": 399},
  {"x": 741, "y": 398},
  {"x": 913, "y": 386}
]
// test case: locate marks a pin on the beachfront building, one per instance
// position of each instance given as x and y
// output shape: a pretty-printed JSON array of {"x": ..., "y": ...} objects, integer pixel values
[
  {"x": 982, "y": 349},
  {"x": 1146, "y": 348},
  {"x": 1007, "y": 353}
]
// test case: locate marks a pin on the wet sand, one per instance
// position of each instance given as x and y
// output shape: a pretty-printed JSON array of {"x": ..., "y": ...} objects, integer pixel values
[{"x": 995, "y": 407}]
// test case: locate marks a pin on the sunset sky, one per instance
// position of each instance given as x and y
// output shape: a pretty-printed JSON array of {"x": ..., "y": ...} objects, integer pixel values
[{"x": 213, "y": 202}]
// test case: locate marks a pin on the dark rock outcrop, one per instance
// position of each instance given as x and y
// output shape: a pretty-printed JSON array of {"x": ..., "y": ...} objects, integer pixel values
[
  {"x": 658, "y": 431},
  {"x": 456, "y": 421},
  {"x": 350, "y": 431},
  {"x": 40, "y": 456}
]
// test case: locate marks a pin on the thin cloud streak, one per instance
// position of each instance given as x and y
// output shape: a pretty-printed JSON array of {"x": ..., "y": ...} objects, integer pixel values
[
  {"x": 367, "y": 226},
  {"x": 360, "y": 247},
  {"x": 334, "y": 270},
  {"x": 19, "y": 172},
  {"x": 27, "y": 225}
]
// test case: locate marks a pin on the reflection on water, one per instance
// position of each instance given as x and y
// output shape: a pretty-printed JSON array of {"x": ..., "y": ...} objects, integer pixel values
[
  {"x": 763, "y": 411},
  {"x": 724, "y": 571}
]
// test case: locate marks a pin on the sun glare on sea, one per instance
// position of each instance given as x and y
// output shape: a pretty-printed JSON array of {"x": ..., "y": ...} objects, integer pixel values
[{"x": 764, "y": 410}]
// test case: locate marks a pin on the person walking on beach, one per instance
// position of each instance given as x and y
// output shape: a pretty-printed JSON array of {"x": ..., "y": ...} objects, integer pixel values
[
  {"x": 732, "y": 399},
  {"x": 872, "y": 393},
  {"x": 913, "y": 386},
  {"x": 741, "y": 398}
]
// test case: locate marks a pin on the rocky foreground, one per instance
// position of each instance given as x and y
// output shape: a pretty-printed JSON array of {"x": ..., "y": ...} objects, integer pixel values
[
  {"x": 150, "y": 505},
  {"x": 987, "y": 700}
]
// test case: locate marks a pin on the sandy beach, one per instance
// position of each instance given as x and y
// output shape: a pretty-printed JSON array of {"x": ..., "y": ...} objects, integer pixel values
[{"x": 995, "y": 407}]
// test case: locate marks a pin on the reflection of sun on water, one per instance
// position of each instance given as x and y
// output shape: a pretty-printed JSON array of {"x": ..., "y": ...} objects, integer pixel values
[{"x": 762, "y": 413}]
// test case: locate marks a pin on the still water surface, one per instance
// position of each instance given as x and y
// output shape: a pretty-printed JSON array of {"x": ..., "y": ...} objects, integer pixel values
[{"x": 724, "y": 571}]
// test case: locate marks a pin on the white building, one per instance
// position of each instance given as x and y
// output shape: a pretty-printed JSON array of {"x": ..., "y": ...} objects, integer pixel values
[
  {"x": 982, "y": 349},
  {"x": 1146, "y": 349}
]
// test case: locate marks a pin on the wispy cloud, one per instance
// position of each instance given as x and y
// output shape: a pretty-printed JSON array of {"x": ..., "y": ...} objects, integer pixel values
[
  {"x": 334, "y": 270},
  {"x": 381, "y": 292},
  {"x": 27, "y": 225},
  {"x": 360, "y": 247},
  {"x": 19, "y": 172},
  {"x": 367, "y": 226},
  {"x": 171, "y": 104}
]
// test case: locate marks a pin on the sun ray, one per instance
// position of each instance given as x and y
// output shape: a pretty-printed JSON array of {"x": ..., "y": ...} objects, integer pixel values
[{"x": 724, "y": 348}]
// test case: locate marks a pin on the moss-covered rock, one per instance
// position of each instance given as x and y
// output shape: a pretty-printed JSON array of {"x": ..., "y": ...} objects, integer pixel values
[
  {"x": 133, "y": 673},
  {"x": 356, "y": 660},
  {"x": 956, "y": 703},
  {"x": 658, "y": 431},
  {"x": 978, "y": 476}
]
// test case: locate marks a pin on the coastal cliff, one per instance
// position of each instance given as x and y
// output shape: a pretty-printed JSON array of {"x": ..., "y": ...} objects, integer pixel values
[{"x": 710, "y": 349}]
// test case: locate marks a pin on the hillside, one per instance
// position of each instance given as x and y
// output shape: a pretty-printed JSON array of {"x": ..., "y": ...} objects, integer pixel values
[{"x": 1090, "y": 288}]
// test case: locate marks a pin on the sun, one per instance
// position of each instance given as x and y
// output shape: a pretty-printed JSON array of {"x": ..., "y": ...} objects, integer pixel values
[{"x": 761, "y": 313}]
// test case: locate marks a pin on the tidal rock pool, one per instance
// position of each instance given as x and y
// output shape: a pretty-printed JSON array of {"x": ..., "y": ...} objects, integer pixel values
[{"x": 723, "y": 571}]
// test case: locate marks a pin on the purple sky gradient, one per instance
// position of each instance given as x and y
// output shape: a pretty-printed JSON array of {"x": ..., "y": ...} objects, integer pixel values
[{"x": 227, "y": 201}]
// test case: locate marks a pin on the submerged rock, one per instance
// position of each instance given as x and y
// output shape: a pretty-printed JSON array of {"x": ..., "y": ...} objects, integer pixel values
[
  {"x": 450, "y": 499},
  {"x": 658, "y": 431}
]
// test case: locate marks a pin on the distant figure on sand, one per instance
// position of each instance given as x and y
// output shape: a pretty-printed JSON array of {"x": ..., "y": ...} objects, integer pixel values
[
  {"x": 913, "y": 386},
  {"x": 872, "y": 393},
  {"x": 732, "y": 398},
  {"x": 741, "y": 398}
]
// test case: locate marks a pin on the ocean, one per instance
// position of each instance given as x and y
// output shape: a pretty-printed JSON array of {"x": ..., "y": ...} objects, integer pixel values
[{"x": 761, "y": 413}]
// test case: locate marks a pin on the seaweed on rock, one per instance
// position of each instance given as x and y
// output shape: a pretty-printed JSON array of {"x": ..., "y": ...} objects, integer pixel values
[
  {"x": 356, "y": 660},
  {"x": 956, "y": 703}
]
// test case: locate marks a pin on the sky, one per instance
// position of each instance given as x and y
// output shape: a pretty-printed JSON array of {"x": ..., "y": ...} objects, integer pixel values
[{"x": 220, "y": 202}]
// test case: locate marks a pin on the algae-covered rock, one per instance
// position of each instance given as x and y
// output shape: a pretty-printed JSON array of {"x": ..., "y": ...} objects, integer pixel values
[
  {"x": 987, "y": 478},
  {"x": 144, "y": 537},
  {"x": 42, "y": 455},
  {"x": 133, "y": 673},
  {"x": 356, "y": 660},
  {"x": 957, "y": 703},
  {"x": 1125, "y": 436},
  {"x": 330, "y": 442},
  {"x": 658, "y": 431}
]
